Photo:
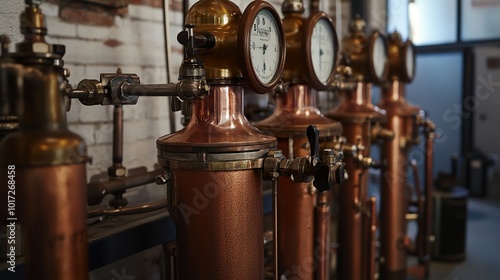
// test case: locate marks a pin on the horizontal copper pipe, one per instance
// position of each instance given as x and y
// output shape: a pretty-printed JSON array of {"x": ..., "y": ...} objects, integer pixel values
[
  {"x": 96, "y": 191},
  {"x": 136, "y": 209}
]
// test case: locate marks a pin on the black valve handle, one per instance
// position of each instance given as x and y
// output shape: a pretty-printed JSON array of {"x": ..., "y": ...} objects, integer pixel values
[
  {"x": 202, "y": 41},
  {"x": 313, "y": 137}
]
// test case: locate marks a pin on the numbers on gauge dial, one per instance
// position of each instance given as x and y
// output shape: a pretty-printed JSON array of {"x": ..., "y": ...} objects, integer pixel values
[
  {"x": 379, "y": 56},
  {"x": 323, "y": 50},
  {"x": 265, "y": 46}
]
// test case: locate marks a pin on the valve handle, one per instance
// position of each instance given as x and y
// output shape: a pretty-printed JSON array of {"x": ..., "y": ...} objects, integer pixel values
[
  {"x": 187, "y": 38},
  {"x": 313, "y": 137}
]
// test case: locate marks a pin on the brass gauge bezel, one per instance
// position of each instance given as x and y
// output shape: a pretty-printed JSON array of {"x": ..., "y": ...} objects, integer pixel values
[
  {"x": 311, "y": 75},
  {"x": 371, "y": 59},
  {"x": 407, "y": 77},
  {"x": 244, "y": 59}
]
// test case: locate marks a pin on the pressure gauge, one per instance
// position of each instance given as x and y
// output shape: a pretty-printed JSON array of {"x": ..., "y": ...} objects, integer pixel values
[
  {"x": 261, "y": 50},
  {"x": 321, "y": 46},
  {"x": 378, "y": 57},
  {"x": 409, "y": 61}
]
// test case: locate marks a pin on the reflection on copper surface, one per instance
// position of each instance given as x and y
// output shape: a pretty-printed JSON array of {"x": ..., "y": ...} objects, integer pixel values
[{"x": 217, "y": 121}]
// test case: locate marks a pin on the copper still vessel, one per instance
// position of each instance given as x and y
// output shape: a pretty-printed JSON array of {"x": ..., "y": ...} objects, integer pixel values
[
  {"x": 49, "y": 162},
  {"x": 215, "y": 165},
  {"x": 405, "y": 121},
  {"x": 361, "y": 125},
  {"x": 303, "y": 212}
]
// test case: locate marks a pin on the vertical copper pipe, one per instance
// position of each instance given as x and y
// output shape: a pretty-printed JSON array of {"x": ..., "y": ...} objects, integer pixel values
[
  {"x": 295, "y": 220},
  {"x": 295, "y": 110},
  {"x": 357, "y": 114},
  {"x": 170, "y": 252},
  {"x": 421, "y": 211},
  {"x": 117, "y": 135},
  {"x": 429, "y": 152},
  {"x": 393, "y": 205},
  {"x": 276, "y": 229},
  {"x": 371, "y": 236},
  {"x": 394, "y": 198},
  {"x": 350, "y": 237},
  {"x": 322, "y": 242}
]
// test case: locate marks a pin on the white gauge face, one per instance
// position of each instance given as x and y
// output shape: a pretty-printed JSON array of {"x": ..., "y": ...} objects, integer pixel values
[
  {"x": 379, "y": 57},
  {"x": 265, "y": 48},
  {"x": 409, "y": 61},
  {"x": 323, "y": 50}
]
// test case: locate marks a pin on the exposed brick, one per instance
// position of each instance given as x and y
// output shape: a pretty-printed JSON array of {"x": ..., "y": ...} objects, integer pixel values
[
  {"x": 85, "y": 14},
  {"x": 175, "y": 5},
  {"x": 152, "y": 3},
  {"x": 113, "y": 43}
]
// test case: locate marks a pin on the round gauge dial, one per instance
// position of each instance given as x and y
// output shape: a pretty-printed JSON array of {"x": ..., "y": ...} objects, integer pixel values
[
  {"x": 321, "y": 46},
  {"x": 409, "y": 56},
  {"x": 378, "y": 57},
  {"x": 261, "y": 46}
]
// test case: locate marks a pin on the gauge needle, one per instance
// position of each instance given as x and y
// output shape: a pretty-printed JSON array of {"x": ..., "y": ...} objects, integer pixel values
[{"x": 264, "y": 48}]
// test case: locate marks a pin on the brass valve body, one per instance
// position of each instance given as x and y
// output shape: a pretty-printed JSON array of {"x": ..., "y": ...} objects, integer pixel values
[{"x": 221, "y": 19}]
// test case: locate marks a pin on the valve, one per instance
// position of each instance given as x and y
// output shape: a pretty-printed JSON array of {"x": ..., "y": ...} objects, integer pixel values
[
  {"x": 355, "y": 151},
  {"x": 326, "y": 171},
  {"x": 381, "y": 134}
]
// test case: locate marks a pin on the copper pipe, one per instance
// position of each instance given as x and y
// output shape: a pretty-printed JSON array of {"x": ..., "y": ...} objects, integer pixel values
[
  {"x": 351, "y": 196},
  {"x": 117, "y": 135},
  {"x": 401, "y": 119},
  {"x": 421, "y": 209},
  {"x": 130, "y": 210},
  {"x": 357, "y": 114},
  {"x": 429, "y": 152},
  {"x": 295, "y": 110},
  {"x": 371, "y": 236},
  {"x": 170, "y": 251},
  {"x": 275, "y": 227},
  {"x": 322, "y": 235},
  {"x": 96, "y": 191}
]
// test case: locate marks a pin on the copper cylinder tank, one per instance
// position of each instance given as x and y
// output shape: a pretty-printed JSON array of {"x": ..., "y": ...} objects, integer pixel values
[
  {"x": 50, "y": 181},
  {"x": 48, "y": 160},
  {"x": 401, "y": 118},
  {"x": 357, "y": 114},
  {"x": 298, "y": 242},
  {"x": 216, "y": 185}
]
